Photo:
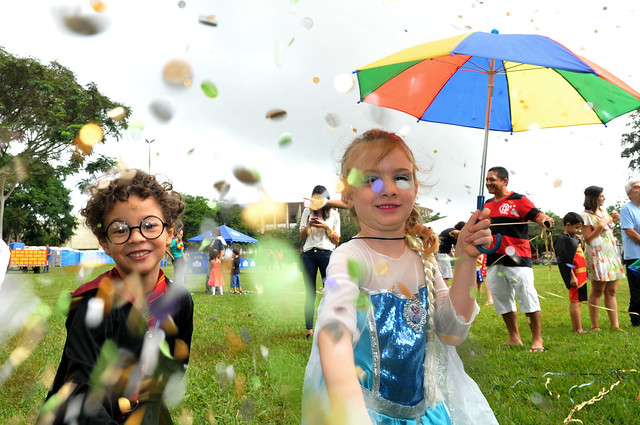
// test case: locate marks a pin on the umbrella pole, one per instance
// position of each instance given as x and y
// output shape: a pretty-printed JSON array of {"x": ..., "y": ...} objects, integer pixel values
[
  {"x": 480, "y": 202},
  {"x": 491, "y": 73}
]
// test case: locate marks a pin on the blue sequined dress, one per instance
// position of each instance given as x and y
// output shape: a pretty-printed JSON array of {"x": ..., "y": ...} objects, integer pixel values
[{"x": 386, "y": 312}]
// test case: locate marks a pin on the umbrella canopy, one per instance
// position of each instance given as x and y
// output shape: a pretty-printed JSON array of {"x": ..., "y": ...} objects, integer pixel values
[
  {"x": 228, "y": 234},
  {"x": 504, "y": 82},
  {"x": 536, "y": 83}
]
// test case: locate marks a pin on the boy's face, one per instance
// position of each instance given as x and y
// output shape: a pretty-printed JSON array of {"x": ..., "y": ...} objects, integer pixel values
[
  {"x": 573, "y": 229},
  {"x": 137, "y": 254}
]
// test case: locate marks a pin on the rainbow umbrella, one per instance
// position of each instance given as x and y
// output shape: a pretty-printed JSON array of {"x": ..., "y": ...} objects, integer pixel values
[{"x": 503, "y": 82}]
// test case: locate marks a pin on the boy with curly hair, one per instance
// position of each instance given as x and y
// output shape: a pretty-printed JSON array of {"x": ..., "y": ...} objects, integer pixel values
[{"x": 128, "y": 330}]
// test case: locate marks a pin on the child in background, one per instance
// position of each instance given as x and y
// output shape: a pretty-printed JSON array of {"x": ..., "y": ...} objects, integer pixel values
[
  {"x": 382, "y": 352},
  {"x": 573, "y": 266},
  {"x": 216, "y": 281},
  {"x": 235, "y": 272},
  {"x": 112, "y": 367}
]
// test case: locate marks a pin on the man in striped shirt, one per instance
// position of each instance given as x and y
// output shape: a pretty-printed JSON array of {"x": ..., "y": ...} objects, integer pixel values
[{"x": 509, "y": 273}]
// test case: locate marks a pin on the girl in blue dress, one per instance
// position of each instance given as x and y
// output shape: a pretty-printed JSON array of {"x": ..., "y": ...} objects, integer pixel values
[{"x": 384, "y": 346}]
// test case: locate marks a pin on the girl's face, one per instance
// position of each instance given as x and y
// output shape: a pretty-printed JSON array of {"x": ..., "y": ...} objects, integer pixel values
[
  {"x": 137, "y": 254},
  {"x": 386, "y": 200}
]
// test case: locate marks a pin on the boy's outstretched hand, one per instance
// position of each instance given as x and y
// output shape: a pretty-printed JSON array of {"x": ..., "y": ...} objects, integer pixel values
[{"x": 475, "y": 232}]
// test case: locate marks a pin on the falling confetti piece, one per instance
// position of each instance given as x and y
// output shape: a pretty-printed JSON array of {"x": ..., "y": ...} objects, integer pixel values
[
  {"x": 307, "y": 22},
  {"x": 246, "y": 175},
  {"x": 361, "y": 374},
  {"x": 98, "y": 6},
  {"x": 208, "y": 20},
  {"x": 435, "y": 151},
  {"x": 377, "y": 186},
  {"x": 284, "y": 139},
  {"x": 317, "y": 201},
  {"x": 222, "y": 187},
  {"x": 339, "y": 186},
  {"x": 182, "y": 4},
  {"x": 162, "y": 108},
  {"x": 355, "y": 270},
  {"x": 190, "y": 151},
  {"x": 316, "y": 80},
  {"x": 90, "y": 134},
  {"x": 355, "y": 178},
  {"x": 450, "y": 339},
  {"x": 381, "y": 267},
  {"x": 343, "y": 82},
  {"x": 64, "y": 302},
  {"x": 209, "y": 89},
  {"x": 557, "y": 183},
  {"x": 404, "y": 290},
  {"x": 332, "y": 120},
  {"x": 177, "y": 71},
  {"x": 117, "y": 114},
  {"x": 264, "y": 351},
  {"x": 279, "y": 52},
  {"x": 510, "y": 250},
  {"x": 275, "y": 114}
]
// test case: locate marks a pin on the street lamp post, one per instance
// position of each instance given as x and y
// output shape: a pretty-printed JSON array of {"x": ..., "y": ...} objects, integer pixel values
[{"x": 149, "y": 143}]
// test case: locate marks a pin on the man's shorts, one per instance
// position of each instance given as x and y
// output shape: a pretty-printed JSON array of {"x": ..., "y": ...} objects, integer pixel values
[
  {"x": 444, "y": 263},
  {"x": 507, "y": 282},
  {"x": 578, "y": 294}
]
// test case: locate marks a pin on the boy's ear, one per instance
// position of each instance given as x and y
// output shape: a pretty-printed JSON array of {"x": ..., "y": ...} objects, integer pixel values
[
  {"x": 105, "y": 245},
  {"x": 169, "y": 235}
]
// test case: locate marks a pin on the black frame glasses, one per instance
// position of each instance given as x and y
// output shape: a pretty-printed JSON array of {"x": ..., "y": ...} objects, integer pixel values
[{"x": 123, "y": 226}]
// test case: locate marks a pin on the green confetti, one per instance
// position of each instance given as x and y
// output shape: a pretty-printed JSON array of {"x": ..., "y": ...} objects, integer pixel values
[
  {"x": 355, "y": 178},
  {"x": 284, "y": 139},
  {"x": 473, "y": 293},
  {"x": 190, "y": 151},
  {"x": 64, "y": 302},
  {"x": 209, "y": 89},
  {"x": 164, "y": 349},
  {"x": 355, "y": 270}
]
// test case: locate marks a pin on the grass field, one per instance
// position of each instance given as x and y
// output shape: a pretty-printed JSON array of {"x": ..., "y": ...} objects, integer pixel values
[{"x": 261, "y": 336}]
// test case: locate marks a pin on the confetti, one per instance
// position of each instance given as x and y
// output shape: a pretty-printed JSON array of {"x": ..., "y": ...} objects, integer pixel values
[
  {"x": 90, "y": 134},
  {"x": 557, "y": 183},
  {"x": 246, "y": 176},
  {"x": 162, "y": 108},
  {"x": 117, "y": 114},
  {"x": 209, "y": 89},
  {"x": 279, "y": 53},
  {"x": 98, "y": 6},
  {"x": 381, "y": 267},
  {"x": 316, "y": 80},
  {"x": 510, "y": 250},
  {"x": 343, "y": 82},
  {"x": 284, "y": 139},
  {"x": 208, "y": 20},
  {"x": 355, "y": 178},
  {"x": 95, "y": 311},
  {"x": 222, "y": 187},
  {"x": 307, "y": 22},
  {"x": 355, "y": 269},
  {"x": 332, "y": 120},
  {"x": 377, "y": 186},
  {"x": 276, "y": 114},
  {"x": 177, "y": 72},
  {"x": 182, "y": 4},
  {"x": 339, "y": 186}
]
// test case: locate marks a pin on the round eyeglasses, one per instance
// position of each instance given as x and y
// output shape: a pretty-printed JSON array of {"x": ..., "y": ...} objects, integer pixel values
[{"x": 119, "y": 232}]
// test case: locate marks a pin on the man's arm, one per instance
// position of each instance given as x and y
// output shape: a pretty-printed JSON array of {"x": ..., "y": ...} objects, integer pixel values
[{"x": 633, "y": 235}]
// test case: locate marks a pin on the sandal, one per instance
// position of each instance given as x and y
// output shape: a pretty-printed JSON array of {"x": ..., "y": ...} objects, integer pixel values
[{"x": 537, "y": 350}]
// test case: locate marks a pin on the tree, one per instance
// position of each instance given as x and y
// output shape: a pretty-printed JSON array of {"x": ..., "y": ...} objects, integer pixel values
[
  {"x": 39, "y": 211},
  {"x": 197, "y": 213},
  {"x": 632, "y": 142},
  {"x": 42, "y": 110}
]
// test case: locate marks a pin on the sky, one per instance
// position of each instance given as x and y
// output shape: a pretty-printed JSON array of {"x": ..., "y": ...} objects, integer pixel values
[{"x": 286, "y": 54}]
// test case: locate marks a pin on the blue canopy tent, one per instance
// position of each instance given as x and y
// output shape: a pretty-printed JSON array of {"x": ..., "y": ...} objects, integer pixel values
[{"x": 228, "y": 234}]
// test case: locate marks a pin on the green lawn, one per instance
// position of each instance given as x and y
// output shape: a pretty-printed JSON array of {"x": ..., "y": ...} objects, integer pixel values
[{"x": 261, "y": 335}]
